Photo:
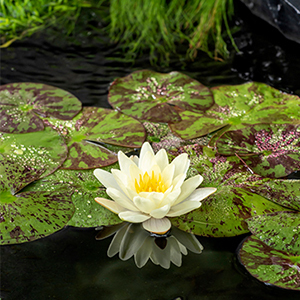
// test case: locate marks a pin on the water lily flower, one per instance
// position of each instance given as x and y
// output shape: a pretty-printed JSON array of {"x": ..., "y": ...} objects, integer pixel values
[{"x": 149, "y": 189}]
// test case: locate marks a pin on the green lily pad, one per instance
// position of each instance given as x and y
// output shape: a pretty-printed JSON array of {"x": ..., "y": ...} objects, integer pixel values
[
  {"x": 21, "y": 104},
  {"x": 157, "y": 97},
  {"x": 224, "y": 212},
  {"x": 269, "y": 150},
  {"x": 95, "y": 135},
  {"x": 41, "y": 151},
  {"x": 249, "y": 103},
  {"x": 27, "y": 216},
  {"x": 85, "y": 187},
  {"x": 270, "y": 266},
  {"x": 280, "y": 230}
]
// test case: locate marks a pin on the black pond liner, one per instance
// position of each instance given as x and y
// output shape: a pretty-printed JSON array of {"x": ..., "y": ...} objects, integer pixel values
[{"x": 71, "y": 264}]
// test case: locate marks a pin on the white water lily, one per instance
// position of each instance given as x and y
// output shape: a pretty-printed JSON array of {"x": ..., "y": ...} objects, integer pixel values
[{"x": 149, "y": 189}]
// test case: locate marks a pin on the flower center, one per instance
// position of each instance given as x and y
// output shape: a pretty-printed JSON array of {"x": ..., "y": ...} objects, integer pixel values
[{"x": 150, "y": 184}]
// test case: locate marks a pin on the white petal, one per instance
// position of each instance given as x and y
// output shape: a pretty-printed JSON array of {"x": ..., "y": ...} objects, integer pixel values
[
  {"x": 111, "y": 205},
  {"x": 161, "y": 158},
  {"x": 143, "y": 204},
  {"x": 124, "y": 162},
  {"x": 178, "y": 181},
  {"x": 200, "y": 194},
  {"x": 123, "y": 182},
  {"x": 181, "y": 163},
  {"x": 160, "y": 212},
  {"x": 133, "y": 216},
  {"x": 121, "y": 199},
  {"x": 135, "y": 159},
  {"x": 188, "y": 187},
  {"x": 106, "y": 178},
  {"x": 183, "y": 208},
  {"x": 145, "y": 148},
  {"x": 158, "y": 226},
  {"x": 168, "y": 174},
  {"x": 147, "y": 162},
  {"x": 171, "y": 198}
]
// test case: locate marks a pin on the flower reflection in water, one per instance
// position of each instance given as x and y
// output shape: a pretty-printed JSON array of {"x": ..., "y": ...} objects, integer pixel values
[{"x": 132, "y": 239}]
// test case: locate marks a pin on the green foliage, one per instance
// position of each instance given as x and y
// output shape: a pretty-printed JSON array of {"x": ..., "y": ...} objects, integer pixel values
[{"x": 21, "y": 18}]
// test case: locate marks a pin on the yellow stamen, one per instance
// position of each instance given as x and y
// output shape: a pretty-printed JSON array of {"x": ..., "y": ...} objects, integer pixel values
[{"x": 150, "y": 184}]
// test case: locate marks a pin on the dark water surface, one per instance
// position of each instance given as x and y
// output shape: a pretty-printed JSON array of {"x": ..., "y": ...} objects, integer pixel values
[{"x": 71, "y": 264}]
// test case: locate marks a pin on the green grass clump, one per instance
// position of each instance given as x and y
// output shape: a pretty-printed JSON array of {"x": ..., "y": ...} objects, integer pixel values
[{"x": 21, "y": 18}]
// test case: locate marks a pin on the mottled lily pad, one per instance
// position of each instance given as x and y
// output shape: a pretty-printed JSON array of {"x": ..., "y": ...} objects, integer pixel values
[
  {"x": 249, "y": 103},
  {"x": 280, "y": 230},
  {"x": 270, "y": 266},
  {"x": 27, "y": 216},
  {"x": 157, "y": 97},
  {"x": 91, "y": 135},
  {"x": 85, "y": 188},
  {"x": 41, "y": 151},
  {"x": 21, "y": 104},
  {"x": 269, "y": 150},
  {"x": 224, "y": 212}
]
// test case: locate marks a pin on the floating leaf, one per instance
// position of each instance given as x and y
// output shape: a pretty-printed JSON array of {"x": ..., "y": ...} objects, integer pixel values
[
  {"x": 85, "y": 188},
  {"x": 157, "y": 97},
  {"x": 270, "y": 266},
  {"x": 249, "y": 103},
  {"x": 280, "y": 230},
  {"x": 269, "y": 150},
  {"x": 223, "y": 213},
  {"x": 283, "y": 192},
  {"x": 92, "y": 133},
  {"x": 27, "y": 216},
  {"x": 21, "y": 104},
  {"x": 42, "y": 151}
]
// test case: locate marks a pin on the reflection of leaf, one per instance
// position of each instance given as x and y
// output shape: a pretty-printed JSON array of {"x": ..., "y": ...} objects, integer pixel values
[
  {"x": 223, "y": 213},
  {"x": 157, "y": 97},
  {"x": 42, "y": 151},
  {"x": 27, "y": 216},
  {"x": 269, "y": 150},
  {"x": 269, "y": 265},
  {"x": 280, "y": 230},
  {"x": 248, "y": 103},
  {"x": 89, "y": 132},
  {"x": 22, "y": 103},
  {"x": 85, "y": 188}
]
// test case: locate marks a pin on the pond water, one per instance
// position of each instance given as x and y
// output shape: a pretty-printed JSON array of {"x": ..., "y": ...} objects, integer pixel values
[{"x": 71, "y": 264}]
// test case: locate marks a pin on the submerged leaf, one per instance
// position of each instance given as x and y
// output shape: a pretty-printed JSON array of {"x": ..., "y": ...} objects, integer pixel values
[
  {"x": 270, "y": 266},
  {"x": 21, "y": 104},
  {"x": 158, "y": 97}
]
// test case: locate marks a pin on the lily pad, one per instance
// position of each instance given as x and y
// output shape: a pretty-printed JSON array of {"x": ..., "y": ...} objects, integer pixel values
[
  {"x": 248, "y": 103},
  {"x": 157, "y": 97},
  {"x": 95, "y": 135},
  {"x": 41, "y": 151},
  {"x": 27, "y": 216},
  {"x": 270, "y": 266},
  {"x": 269, "y": 150},
  {"x": 224, "y": 212},
  {"x": 280, "y": 230},
  {"x": 85, "y": 187},
  {"x": 21, "y": 104}
]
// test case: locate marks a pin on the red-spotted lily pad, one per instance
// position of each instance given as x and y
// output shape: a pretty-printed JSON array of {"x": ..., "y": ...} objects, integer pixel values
[
  {"x": 41, "y": 151},
  {"x": 280, "y": 230},
  {"x": 224, "y": 212},
  {"x": 249, "y": 103},
  {"x": 21, "y": 104},
  {"x": 269, "y": 150},
  {"x": 91, "y": 135},
  {"x": 85, "y": 188},
  {"x": 27, "y": 216},
  {"x": 270, "y": 266},
  {"x": 157, "y": 97}
]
